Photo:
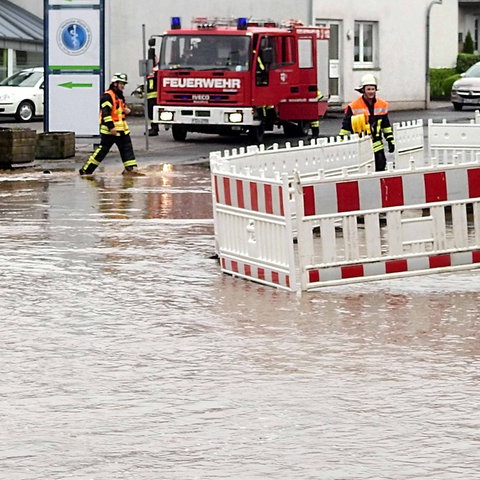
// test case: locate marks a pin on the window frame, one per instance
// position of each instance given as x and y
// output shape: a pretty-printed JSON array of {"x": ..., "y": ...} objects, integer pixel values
[{"x": 361, "y": 39}]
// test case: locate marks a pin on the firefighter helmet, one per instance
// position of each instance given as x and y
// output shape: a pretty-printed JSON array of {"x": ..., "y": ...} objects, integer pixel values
[
  {"x": 120, "y": 77},
  {"x": 367, "y": 79}
]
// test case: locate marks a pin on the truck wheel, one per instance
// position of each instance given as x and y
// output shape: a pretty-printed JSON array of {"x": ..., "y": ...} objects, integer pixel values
[
  {"x": 303, "y": 128},
  {"x": 179, "y": 133},
  {"x": 457, "y": 106},
  {"x": 255, "y": 134},
  {"x": 296, "y": 129}
]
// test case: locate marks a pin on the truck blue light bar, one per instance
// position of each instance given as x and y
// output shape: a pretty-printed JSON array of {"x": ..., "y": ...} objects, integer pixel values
[{"x": 242, "y": 23}]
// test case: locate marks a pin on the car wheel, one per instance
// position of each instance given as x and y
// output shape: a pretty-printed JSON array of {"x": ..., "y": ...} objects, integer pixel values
[
  {"x": 25, "y": 111},
  {"x": 179, "y": 133},
  {"x": 457, "y": 106}
]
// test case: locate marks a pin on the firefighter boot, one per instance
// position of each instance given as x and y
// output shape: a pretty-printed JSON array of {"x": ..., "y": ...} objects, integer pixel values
[
  {"x": 153, "y": 131},
  {"x": 132, "y": 172}
]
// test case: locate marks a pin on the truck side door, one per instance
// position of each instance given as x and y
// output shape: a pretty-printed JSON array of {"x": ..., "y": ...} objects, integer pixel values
[{"x": 276, "y": 73}]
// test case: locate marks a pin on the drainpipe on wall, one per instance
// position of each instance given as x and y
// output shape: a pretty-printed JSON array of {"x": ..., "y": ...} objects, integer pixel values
[
  {"x": 427, "y": 59},
  {"x": 309, "y": 12}
]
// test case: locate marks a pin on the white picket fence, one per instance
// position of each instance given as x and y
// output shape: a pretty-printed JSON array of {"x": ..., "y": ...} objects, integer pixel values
[{"x": 350, "y": 223}]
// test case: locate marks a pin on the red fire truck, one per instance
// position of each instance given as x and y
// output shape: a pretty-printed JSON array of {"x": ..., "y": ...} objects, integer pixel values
[{"x": 243, "y": 76}]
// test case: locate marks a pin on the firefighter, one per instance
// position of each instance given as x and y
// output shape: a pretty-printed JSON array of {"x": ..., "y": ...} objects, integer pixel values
[
  {"x": 113, "y": 129},
  {"x": 368, "y": 114},
  {"x": 261, "y": 71},
  {"x": 152, "y": 99},
  {"x": 315, "y": 124}
]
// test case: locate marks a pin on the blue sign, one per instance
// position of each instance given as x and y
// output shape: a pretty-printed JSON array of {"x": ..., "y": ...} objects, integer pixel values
[{"x": 74, "y": 37}]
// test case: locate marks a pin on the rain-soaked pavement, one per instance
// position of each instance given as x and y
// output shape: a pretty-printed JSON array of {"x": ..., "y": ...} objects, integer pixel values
[{"x": 126, "y": 354}]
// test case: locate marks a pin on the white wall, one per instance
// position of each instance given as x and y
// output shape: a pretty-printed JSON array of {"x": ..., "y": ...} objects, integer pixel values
[
  {"x": 126, "y": 30},
  {"x": 402, "y": 24},
  {"x": 402, "y": 55},
  {"x": 444, "y": 34}
]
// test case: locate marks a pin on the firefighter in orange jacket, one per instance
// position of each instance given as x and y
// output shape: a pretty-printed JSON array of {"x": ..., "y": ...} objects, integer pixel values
[
  {"x": 113, "y": 129},
  {"x": 368, "y": 114}
]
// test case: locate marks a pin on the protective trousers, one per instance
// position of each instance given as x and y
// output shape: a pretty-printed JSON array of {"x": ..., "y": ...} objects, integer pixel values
[{"x": 124, "y": 144}]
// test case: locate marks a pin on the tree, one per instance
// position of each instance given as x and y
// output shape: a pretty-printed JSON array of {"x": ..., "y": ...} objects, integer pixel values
[{"x": 468, "y": 46}]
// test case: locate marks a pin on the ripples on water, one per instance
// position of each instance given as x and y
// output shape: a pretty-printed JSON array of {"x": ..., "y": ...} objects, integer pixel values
[{"x": 126, "y": 354}]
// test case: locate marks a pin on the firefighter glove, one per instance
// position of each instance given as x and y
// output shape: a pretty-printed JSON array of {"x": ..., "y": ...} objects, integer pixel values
[{"x": 391, "y": 147}]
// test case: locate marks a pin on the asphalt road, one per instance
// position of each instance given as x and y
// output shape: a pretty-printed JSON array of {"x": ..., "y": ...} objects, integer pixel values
[{"x": 196, "y": 148}]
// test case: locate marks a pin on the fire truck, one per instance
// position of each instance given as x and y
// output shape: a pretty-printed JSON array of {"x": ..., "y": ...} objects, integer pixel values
[{"x": 241, "y": 76}]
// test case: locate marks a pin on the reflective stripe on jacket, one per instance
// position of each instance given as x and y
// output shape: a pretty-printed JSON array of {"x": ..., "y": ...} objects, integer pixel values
[
  {"x": 376, "y": 121},
  {"x": 112, "y": 114},
  {"x": 359, "y": 106},
  {"x": 152, "y": 86}
]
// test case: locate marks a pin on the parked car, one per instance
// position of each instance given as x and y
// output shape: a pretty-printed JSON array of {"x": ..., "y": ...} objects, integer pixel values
[
  {"x": 466, "y": 90},
  {"x": 21, "y": 94}
]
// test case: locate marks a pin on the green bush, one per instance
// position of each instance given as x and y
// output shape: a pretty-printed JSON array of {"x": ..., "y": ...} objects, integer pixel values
[
  {"x": 465, "y": 61},
  {"x": 441, "y": 79},
  {"x": 440, "y": 85},
  {"x": 448, "y": 82}
]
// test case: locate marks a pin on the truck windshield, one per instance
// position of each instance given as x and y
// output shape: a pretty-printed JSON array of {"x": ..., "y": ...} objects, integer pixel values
[{"x": 205, "y": 52}]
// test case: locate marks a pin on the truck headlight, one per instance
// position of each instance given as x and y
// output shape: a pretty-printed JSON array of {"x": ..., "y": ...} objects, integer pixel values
[
  {"x": 235, "y": 117},
  {"x": 166, "y": 116}
]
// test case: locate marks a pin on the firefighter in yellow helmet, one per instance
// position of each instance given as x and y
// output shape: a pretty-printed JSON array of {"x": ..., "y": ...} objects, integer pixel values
[
  {"x": 113, "y": 129},
  {"x": 368, "y": 114}
]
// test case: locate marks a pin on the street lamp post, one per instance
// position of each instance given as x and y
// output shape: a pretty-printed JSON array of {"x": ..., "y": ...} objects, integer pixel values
[{"x": 427, "y": 56}]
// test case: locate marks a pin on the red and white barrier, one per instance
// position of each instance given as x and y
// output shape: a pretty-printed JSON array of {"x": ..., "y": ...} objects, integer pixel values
[
  {"x": 391, "y": 225},
  {"x": 350, "y": 224},
  {"x": 253, "y": 228}
]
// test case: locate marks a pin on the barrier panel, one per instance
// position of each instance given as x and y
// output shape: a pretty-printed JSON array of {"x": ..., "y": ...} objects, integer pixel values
[
  {"x": 387, "y": 225},
  {"x": 330, "y": 155},
  {"x": 409, "y": 143},
  {"x": 446, "y": 142},
  {"x": 253, "y": 228}
]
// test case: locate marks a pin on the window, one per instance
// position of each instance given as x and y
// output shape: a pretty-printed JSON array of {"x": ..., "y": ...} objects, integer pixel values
[
  {"x": 365, "y": 46},
  {"x": 205, "y": 52},
  {"x": 305, "y": 53}
]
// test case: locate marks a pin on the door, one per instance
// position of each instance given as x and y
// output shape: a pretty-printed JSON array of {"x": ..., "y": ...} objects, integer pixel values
[{"x": 335, "y": 85}]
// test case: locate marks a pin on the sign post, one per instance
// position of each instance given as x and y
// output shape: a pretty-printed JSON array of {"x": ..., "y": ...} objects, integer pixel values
[{"x": 74, "y": 61}]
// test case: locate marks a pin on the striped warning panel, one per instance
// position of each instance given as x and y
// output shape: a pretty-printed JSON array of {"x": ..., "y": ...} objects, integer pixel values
[
  {"x": 382, "y": 269},
  {"x": 256, "y": 272},
  {"x": 390, "y": 190},
  {"x": 258, "y": 196}
]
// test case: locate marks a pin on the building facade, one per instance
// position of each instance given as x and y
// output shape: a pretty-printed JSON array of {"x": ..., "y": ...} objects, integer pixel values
[
  {"x": 21, "y": 39},
  {"x": 388, "y": 39}
]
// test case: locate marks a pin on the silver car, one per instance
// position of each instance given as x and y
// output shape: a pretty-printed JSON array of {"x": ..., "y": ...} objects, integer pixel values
[
  {"x": 21, "y": 94},
  {"x": 466, "y": 90}
]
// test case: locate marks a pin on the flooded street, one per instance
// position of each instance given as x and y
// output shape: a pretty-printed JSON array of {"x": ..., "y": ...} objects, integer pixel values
[{"x": 127, "y": 354}]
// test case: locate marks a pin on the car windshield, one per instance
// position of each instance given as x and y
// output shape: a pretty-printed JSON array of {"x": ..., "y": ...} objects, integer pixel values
[
  {"x": 473, "y": 71},
  {"x": 22, "y": 79},
  {"x": 205, "y": 52}
]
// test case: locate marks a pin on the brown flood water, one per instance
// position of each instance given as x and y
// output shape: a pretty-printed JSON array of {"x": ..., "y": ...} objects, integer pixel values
[{"x": 126, "y": 354}]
